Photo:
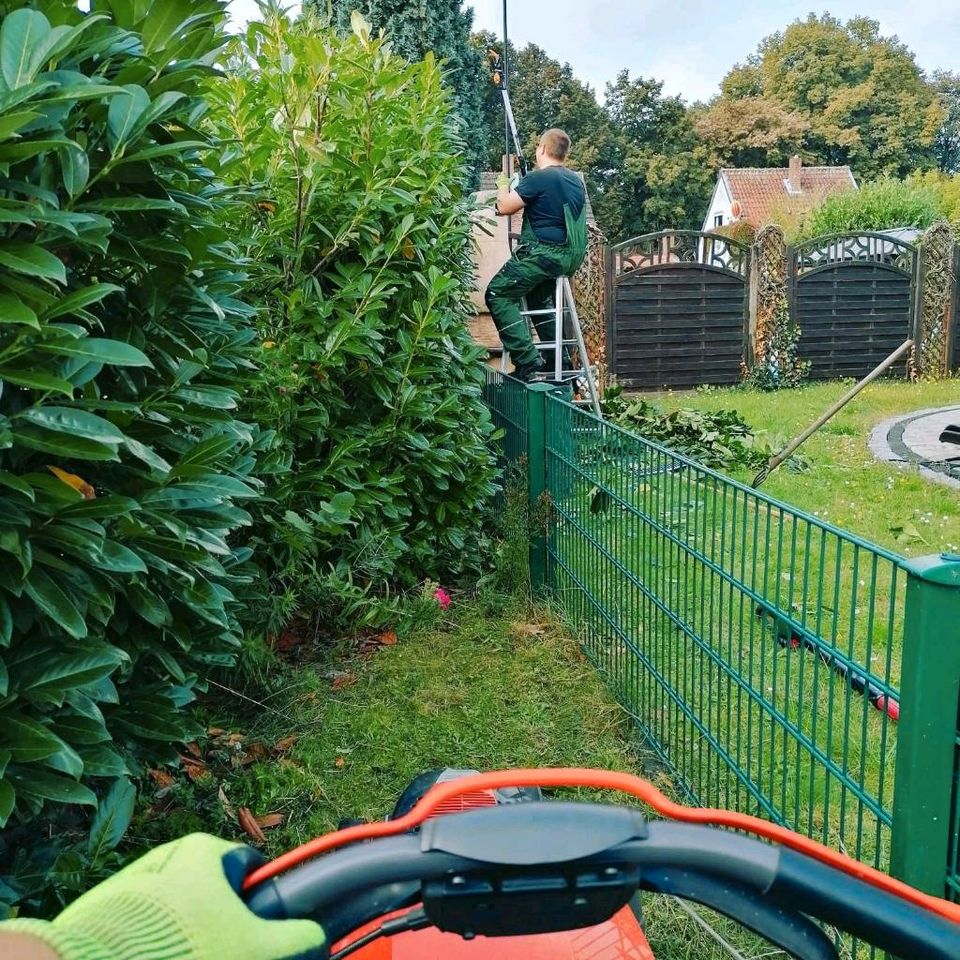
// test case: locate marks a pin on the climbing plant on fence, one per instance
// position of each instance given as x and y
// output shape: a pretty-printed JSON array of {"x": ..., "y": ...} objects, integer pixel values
[
  {"x": 353, "y": 216},
  {"x": 776, "y": 362},
  {"x": 929, "y": 360},
  {"x": 123, "y": 348}
]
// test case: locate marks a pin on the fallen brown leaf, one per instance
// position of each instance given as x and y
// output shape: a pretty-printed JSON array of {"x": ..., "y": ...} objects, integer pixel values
[
  {"x": 342, "y": 680},
  {"x": 528, "y": 629},
  {"x": 216, "y": 732},
  {"x": 235, "y": 738},
  {"x": 257, "y": 751},
  {"x": 162, "y": 778},
  {"x": 193, "y": 768},
  {"x": 250, "y": 826},
  {"x": 339, "y": 762},
  {"x": 282, "y": 746},
  {"x": 387, "y": 639},
  {"x": 195, "y": 750},
  {"x": 269, "y": 820},
  {"x": 228, "y": 808}
]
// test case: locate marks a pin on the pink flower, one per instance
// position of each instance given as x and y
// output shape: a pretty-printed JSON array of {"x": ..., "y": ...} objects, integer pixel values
[{"x": 442, "y": 597}]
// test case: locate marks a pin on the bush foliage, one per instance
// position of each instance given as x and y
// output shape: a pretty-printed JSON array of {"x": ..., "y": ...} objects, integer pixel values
[
  {"x": 122, "y": 461},
  {"x": 350, "y": 187},
  {"x": 721, "y": 439},
  {"x": 879, "y": 205}
]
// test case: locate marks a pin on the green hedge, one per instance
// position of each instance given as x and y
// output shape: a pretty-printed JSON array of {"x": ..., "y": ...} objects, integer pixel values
[
  {"x": 123, "y": 466},
  {"x": 351, "y": 202}
]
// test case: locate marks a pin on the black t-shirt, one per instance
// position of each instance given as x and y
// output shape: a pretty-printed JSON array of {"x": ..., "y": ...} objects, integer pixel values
[{"x": 545, "y": 192}]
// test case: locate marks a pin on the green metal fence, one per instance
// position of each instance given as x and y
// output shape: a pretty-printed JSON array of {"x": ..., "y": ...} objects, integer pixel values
[{"x": 759, "y": 649}]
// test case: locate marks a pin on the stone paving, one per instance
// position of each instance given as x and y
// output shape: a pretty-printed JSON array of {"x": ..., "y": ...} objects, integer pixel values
[{"x": 915, "y": 438}]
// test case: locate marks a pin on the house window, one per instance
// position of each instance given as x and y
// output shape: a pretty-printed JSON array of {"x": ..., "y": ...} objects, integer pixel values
[{"x": 718, "y": 220}]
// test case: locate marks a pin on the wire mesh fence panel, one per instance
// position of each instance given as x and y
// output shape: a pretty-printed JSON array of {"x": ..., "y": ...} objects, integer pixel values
[
  {"x": 756, "y": 647},
  {"x": 953, "y": 869}
]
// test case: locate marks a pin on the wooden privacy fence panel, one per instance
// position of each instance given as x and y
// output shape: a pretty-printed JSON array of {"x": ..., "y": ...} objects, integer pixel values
[
  {"x": 854, "y": 299},
  {"x": 679, "y": 310}
]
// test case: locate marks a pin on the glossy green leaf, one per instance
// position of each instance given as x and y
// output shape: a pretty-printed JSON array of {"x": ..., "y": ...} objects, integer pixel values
[
  {"x": 6, "y": 622},
  {"x": 55, "y": 603},
  {"x": 114, "y": 352},
  {"x": 14, "y": 310},
  {"x": 123, "y": 113},
  {"x": 101, "y": 760},
  {"x": 78, "y": 423},
  {"x": 114, "y": 814},
  {"x": 25, "y": 739},
  {"x": 35, "y": 380},
  {"x": 37, "y": 782},
  {"x": 12, "y": 122},
  {"x": 79, "y": 300},
  {"x": 132, "y": 205},
  {"x": 18, "y": 484},
  {"x": 8, "y": 797},
  {"x": 20, "y": 34},
  {"x": 148, "y": 605},
  {"x": 80, "y": 730},
  {"x": 75, "y": 165},
  {"x": 55, "y": 672},
  {"x": 66, "y": 760},
  {"x": 31, "y": 260},
  {"x": 63, "y": 445}
]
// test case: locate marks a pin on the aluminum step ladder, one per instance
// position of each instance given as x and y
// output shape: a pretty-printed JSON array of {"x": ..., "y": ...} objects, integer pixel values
[{"x": 568, "y": 333}]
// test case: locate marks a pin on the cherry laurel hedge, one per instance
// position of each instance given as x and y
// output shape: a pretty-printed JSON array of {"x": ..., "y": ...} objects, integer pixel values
[
  {"x": 164, "y": 473},
  {"x": 351, "y": 185}
]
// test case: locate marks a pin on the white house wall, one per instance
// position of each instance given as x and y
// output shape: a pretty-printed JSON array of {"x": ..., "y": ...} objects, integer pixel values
[{"x": 720, "y": 205}]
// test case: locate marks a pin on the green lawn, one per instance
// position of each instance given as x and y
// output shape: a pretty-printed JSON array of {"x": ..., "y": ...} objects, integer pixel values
[
  {"x": 845, "y": 485},
  {"x": 493, "y": 684}
]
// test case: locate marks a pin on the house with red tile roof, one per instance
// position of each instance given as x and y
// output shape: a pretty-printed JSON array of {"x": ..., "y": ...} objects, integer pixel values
[{"x": 761, "y": 195}]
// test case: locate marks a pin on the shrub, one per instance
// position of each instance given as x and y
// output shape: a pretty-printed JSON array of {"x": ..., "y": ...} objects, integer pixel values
[
  {"x": 946, "y": 189},
  {"x": 721, "y": 439},
  {"x": 122, "y": 349},
  {"x": 353, "y": 216},
  {"x": 880, "y": 205}
]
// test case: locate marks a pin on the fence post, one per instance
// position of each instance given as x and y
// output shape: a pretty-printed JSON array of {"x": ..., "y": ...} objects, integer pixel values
[
  {"x": 537, "y": 481},
  {"x": 923, "y": 802},
  {"x": 610, "y": 308}
]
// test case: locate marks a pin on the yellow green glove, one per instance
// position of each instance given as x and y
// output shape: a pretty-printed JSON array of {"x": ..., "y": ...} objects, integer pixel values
[
  {"x": 178, "y": 901},
  {"x": 506, "y": 183}
]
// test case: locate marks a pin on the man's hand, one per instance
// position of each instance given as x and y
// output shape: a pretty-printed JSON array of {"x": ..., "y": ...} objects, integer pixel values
[
  {"x": 509, "y": 201},
  {"x": 180, "y": 900}
]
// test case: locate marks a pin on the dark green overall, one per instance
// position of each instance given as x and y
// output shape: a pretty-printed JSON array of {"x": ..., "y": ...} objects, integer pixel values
[{"x": 531, "y": 274}]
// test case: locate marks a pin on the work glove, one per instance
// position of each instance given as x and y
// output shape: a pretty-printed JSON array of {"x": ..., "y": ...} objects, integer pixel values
[
  {"x": 507, "y": 183},
  {"x": 180, "y": 900}
]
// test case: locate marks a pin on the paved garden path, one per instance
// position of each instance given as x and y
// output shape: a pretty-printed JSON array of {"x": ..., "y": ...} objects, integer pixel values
[{"x": 915, "y": 438}]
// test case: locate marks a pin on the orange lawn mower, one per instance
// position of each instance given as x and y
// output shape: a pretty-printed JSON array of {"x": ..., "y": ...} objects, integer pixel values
[{"x": 482, "y": 867}]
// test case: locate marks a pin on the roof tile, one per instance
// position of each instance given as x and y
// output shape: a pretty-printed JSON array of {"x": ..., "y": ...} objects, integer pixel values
[{"x": 763, "y": 191}]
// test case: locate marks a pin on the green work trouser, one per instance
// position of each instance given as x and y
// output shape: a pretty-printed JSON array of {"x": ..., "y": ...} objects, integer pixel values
[{"x": 531, "y": 274}]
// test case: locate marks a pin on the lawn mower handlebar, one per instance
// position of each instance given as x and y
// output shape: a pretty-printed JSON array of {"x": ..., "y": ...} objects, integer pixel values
[{"x": 580, "y": 863}]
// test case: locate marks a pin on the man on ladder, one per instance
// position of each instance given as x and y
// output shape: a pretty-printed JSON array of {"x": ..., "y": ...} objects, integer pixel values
[{"x": 553, "y": 243}]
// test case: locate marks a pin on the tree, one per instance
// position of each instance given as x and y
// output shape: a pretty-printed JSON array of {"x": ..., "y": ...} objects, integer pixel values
[
  {"x": 659, "y": 177},
  {"x": 414, "y": 27},
  {"x": 544, "y": 94},
  {"x": 946, "y": 147},
  {"x": 753, "y": 131},
  {"x": 860, "y": 98}
]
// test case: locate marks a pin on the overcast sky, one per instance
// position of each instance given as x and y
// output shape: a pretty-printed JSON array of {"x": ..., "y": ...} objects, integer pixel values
[{"x": 690, "y": 44}]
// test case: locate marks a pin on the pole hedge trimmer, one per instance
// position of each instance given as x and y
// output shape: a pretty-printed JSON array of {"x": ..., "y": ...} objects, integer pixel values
[{"x": 502, "y": 82}]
